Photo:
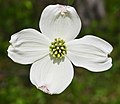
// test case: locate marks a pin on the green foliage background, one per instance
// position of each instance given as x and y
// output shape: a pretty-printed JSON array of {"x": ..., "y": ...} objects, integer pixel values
[{"x": 86, "y": 87}]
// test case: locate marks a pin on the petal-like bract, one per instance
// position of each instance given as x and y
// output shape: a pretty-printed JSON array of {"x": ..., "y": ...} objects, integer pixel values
[
  {"x": 90, "y": 52},
  {"x": 51, "y": 76},
  {"x": 28, "y": 46},
  {"x": 59, "y": 21}
]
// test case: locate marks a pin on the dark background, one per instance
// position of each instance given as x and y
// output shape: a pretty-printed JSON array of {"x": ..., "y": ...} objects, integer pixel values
[{"x": 99, "y": 17}]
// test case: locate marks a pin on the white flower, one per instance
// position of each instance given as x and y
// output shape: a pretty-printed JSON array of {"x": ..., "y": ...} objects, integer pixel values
[{"x": 52, "y": 51}]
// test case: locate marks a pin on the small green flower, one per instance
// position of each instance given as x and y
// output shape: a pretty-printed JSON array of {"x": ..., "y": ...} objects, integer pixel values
[{"x": 58, "y": 48}]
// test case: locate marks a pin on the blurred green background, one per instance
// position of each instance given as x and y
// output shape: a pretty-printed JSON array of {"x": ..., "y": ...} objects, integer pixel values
[{"x": 87, "y": 87}]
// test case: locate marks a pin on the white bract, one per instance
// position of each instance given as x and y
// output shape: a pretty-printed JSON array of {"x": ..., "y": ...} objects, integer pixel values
[{"x": 53, "y": 51}]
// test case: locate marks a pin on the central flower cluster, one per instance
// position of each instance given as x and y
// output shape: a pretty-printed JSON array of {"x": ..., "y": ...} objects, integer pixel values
[{"x": 58, "y": 48}]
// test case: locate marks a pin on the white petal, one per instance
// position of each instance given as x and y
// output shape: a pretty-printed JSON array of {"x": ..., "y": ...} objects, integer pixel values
[
  {"x": 28, "y": 46},
  {"x": 60, "y": 21},
  {"x": 50, "y": 76},
  {"x": 96, "y": 41},
  {"x": 90, "y": 52}
]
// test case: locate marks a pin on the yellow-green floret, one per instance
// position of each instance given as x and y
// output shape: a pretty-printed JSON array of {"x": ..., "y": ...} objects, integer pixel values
[{"x": 58, "y": 48}]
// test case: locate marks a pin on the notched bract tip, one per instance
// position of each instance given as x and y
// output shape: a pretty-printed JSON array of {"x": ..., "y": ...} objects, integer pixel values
[
  {"x": 45, "y": 89},
  {"x": 63, "y": 10}
]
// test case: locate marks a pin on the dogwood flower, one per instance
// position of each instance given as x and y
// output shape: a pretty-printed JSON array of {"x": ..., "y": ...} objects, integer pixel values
[{"x": 53, "y": 51}]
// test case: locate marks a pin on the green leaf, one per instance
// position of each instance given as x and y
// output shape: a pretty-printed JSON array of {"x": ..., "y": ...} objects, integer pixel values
[{"x": 70, "y": 2}]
